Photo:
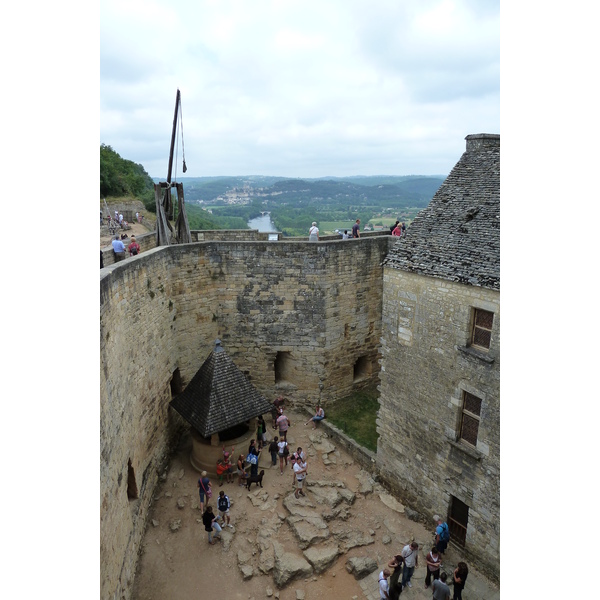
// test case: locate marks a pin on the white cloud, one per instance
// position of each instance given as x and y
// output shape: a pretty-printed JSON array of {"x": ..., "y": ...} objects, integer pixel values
[{"x": 299, "y": 88}]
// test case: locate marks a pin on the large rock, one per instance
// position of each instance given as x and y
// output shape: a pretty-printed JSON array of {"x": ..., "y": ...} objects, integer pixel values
[
  {"x": 288, "y": 566},
  {"x": 350, "y": 537},
  {"x": 361, "y": 566},
  {"x": 322, "y": 557},
  {"x": 365, "y": 482},
  {"x": 308, "y": 530}
]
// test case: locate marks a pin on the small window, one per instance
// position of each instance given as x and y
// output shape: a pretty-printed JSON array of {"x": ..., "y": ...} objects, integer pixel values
[
  {"x": 482, "y": 329},
  {"x": 471, "y": 412}
]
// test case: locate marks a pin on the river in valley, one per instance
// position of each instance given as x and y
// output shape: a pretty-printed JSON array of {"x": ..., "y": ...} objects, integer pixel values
[{"x": 263, "y": 224}]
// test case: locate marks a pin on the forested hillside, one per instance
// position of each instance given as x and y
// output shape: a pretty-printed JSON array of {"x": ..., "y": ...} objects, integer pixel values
[
  {"x": 121, "y": 177},
  {"x": 230, "y": 202}
]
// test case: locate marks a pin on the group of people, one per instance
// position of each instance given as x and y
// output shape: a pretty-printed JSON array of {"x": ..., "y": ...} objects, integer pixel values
[
  {"x": 401, "y": 567},
  {"x": 313, "y": 232},
  {"x": 398, "y": 229},
  {"x": 119, "y": 247}
]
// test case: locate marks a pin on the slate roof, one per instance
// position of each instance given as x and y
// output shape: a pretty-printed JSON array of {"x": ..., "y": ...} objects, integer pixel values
[
  {"x": 457, "y": 237},
  {"x": 219, "y": 396}
]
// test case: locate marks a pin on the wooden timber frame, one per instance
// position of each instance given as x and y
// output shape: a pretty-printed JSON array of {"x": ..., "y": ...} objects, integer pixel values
[
  {"x": 165, "y": 235},
  {"x": 164, "y": 203}
]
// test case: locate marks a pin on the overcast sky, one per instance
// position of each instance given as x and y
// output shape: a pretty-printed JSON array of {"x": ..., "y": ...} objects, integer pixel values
[{"x": 299, "y": 89}]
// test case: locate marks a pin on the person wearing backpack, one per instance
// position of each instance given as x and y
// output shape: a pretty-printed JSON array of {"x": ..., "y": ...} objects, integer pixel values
[{"x": 442, "y": 534}]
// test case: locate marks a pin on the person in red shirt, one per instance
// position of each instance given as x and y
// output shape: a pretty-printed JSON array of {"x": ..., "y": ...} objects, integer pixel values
[{"x": 134, "y": 247}]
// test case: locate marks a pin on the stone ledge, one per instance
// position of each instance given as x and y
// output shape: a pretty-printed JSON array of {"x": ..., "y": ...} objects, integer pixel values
[
  {"x": 472, "y": 452},
  {"x": 475, "y": 354}
]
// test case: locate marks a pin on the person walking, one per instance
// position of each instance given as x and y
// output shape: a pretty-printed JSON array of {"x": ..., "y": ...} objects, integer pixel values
[
  {"x": 442, "y": 534},
  {"x": 223, "y": 506},
  {"x": 440, "y": 588},
  {"x": 313, "y": 233},
  {"x": 411, "y": 560},
  {"x": 204, "y": 489},
  {"x": 356, "y": 229},
  {"x": 459, "y": 577},
  {"x": 395, "y": 586},
  {"x": 210, "y": 523},
  {"x": 383, "y": 585},
  {"x": 434, "y": 562}
]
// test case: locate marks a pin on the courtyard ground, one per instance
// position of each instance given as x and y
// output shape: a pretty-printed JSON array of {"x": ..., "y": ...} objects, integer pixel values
[{"x": 176, "y": 561}]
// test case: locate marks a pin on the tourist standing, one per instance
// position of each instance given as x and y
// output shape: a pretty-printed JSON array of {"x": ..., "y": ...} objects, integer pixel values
[
  {"x": 403, "y": 229},
  {"x": 300, "y": 472},
  {"x": 118, "y": 248},
  {"x": 284, "y": 424},
  {"x": 134, "y": 247},
  {"x": 241, "y": 472},
  {"x": 345, "y": 235},
  {"x": 313, "y": 233},
  {"x": 210, "y": 523},
  {"x": 395, "y": 588},
  {"x": 273, "y": 451},
  {"x": 261, "y": 432},
  {"x": 223, "y": 506},
  {"x": 411, "y": 560},
  {"x": 283, "y": 452},
  {"x": 392, "y": 227},
  {"x": 204, "y": 489},
  {"x": 441, "y": 591},
  {"x": 442, "y": 534},
  {"x": 356, "y": 229},
  {"x": 434, "y": 561},
  {"x": 460, "y": 577},
  {"x": 383, "y": 585},
  {"x": 277, "y": 404},
  {"x": 397, "y": 231}
]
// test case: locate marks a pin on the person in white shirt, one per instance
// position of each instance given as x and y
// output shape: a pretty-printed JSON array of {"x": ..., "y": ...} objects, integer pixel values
[
  {"x": 313, "y": 233},
  {"x": 300, "y": 471},
  {"x": 383, "y": 585},
  {"x": 411, "y": 560}
]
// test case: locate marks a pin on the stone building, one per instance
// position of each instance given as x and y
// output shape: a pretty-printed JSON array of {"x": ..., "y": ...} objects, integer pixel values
[
  {"x": 313, "y": 321},
  {"x": 439, "y": 418}
]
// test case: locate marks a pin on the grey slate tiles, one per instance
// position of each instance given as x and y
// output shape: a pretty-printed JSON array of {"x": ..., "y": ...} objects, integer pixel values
[
  {"x": 457, "y": 237},
  {"x": 219, "y": 396}
]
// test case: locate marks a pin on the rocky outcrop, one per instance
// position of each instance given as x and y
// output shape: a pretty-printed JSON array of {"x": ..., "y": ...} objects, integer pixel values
[
  {"x": 288, "y": 566},
  {"x": 361, "y": 566}
]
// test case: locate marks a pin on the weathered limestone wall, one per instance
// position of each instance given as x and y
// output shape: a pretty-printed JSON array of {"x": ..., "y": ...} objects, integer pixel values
[
  {"x": 425, "y": 322},
  {"x": 162, "y": 310},
  {"x": 137, "y": 357}
]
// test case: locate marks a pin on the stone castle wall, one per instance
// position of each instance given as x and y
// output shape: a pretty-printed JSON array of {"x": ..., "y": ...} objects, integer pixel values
[
  {"x": 313, "y": 311},
  {"x": 426, "y": 367}
]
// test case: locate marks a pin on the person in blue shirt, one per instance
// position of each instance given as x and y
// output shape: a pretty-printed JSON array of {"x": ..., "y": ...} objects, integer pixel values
[{"x": 119, "y": 248}]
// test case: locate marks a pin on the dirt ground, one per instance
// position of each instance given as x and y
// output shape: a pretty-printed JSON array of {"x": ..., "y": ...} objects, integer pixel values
[{"x": 182, "y": 565}]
